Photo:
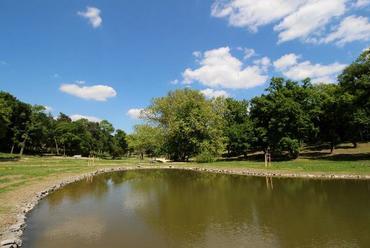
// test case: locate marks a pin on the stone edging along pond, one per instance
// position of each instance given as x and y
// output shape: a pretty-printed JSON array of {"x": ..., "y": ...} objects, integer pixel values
[{"x": 12, "y": 237}]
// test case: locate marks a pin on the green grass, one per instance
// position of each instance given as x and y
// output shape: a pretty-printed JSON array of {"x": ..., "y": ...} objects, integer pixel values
[
  {"x": 15, "y": 172},
  {"x": 299, "y": 165}
]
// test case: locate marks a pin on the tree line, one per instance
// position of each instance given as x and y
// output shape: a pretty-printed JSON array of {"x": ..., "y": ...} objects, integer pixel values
[
  {"x": 184, "y": 124},
  {"x": 30, "y": 129}
]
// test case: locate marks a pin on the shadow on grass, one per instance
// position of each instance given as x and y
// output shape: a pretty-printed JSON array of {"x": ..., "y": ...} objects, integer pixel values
[
  {"x": 258, "y": 157},
  {"x": 341, "y": 157},
  {"x": 9, "y": 159},
  {"x": 314, "y": 155}
]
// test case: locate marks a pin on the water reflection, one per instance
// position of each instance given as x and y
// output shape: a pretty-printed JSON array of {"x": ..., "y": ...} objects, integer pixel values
[{"x": 156, "y": 208}]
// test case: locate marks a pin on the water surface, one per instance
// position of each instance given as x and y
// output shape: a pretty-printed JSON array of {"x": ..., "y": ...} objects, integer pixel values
[{"x": 173, "y": 208}]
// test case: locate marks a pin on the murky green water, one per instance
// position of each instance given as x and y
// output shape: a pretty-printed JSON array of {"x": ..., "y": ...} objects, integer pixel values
[{"x": 168, "y": 208}]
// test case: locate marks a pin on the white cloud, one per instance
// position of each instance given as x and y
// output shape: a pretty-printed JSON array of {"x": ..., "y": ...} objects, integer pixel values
[
  {"x": 286, "y": 61},
  {"x": 95, "y": 92},
  {"x": 352, "y": 28},
  {"x": 211, "y": 93},
  {"x": 197, "y": 54},
  {"x": 309, "y": 19},
  {"x": 92, "y": 14},
  {"x": 252, "y": 14},
  {"x": 289, "y": 66},
  {"x": 80, "y": 82},
  {"x": 135, "y": 113},
  {"x": 79, "y": 117},
  {"x": 218, "y": 68},
  {"x": 362, "y": 3},
  {"x": 264, "y": 63},
  {"x": 248, "y": 53},
  {"x": 175, "y": 81}
]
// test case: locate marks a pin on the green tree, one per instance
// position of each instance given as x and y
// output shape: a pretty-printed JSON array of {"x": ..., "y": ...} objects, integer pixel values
[
  {"x": 5, "y": 115},
  {"x": 187, "y": 119},
  {"x": 281, "y": 118},
  {"x": 146, "y": 140},
  {"x": 355, "y": 81},
  {"x": 119, "y": 145},
  {"x": 335, "y": 115},
  {"x": 238, "y": 127}
]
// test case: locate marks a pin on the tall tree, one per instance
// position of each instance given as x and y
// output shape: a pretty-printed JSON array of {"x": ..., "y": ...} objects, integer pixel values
[
  {"x": 355, "y": 81},
  {"x": 146, "y": 140},
  {"x": 280, "y": 119},
  {"x": 238, "y": 127},
  {"x": 119, "y": 144},
  {"x": 187, "y": 120}
]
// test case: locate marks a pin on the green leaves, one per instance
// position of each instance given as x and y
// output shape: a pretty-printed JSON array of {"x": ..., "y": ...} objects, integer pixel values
[{"x": 187, "y": 119}]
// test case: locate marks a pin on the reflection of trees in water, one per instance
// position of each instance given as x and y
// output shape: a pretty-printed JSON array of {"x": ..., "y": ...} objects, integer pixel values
[
  {"x": 92, "y": 186},
  {"x": 195, "y": 208},
  {"x": 295, "y": 211}
]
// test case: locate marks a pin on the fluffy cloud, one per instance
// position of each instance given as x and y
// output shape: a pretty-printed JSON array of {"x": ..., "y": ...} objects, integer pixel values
[
  {"x": 289, "y": 66},
  {"x": 350, "y": 29},
  {"x": 175, "y": 81},
  {"x": 264, "y": 63},
  {"x": 362, "y": 3},
  {"x": 307, "y": 20},
  {"x": 248, "y": 52},
  {"x": 211, "y": 93},
  {"x": 96, "y": 92},
  {"x": 92, "y": 14},
  {"x": 135, "y": 113},
  {"x": 252, "y": 14},
  {"x": 286, "y": 61},
  {"x": 79, "y": 117},
  {"x": 218, "y": 68}
]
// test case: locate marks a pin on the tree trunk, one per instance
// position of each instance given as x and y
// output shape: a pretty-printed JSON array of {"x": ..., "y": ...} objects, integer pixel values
[
  {"x": 12, "y": 149},
  {"x": 332, "y": 146},
  {"x": 56, "y": 146},
  {"x": 23, "y": 144},
  {"x": 245, "y": 155}
]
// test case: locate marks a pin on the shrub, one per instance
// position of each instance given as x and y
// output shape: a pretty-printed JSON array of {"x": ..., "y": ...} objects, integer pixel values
[
  {"x": 289, "y": 145},
  {"x": 208, "y": 153}
]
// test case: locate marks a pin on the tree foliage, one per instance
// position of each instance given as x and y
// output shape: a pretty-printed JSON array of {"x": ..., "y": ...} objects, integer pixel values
[{"x": 188, "y": 121}]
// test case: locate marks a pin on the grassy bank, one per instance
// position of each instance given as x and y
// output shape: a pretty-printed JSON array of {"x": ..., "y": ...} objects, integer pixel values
[{"x": 20, "y": 178}]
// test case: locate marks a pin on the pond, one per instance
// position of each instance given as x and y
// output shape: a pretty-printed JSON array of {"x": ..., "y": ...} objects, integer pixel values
[{"x": 180, "y": 208}]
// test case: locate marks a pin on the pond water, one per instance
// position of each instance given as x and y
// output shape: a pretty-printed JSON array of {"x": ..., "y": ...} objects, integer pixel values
[{"x": 176, "y": 208}]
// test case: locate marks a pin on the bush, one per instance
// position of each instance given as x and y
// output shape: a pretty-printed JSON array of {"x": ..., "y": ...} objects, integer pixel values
[
  {"x": 289, "y": 145},
  {"x": 208, "y": 154}
]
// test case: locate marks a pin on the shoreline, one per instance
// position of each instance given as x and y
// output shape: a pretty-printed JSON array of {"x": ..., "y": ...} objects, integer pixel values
[{"x": 12, "y": 235}]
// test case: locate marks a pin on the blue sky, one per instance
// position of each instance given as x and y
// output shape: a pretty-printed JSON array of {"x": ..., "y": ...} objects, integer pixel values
[{"x": 106, "y": 59}]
